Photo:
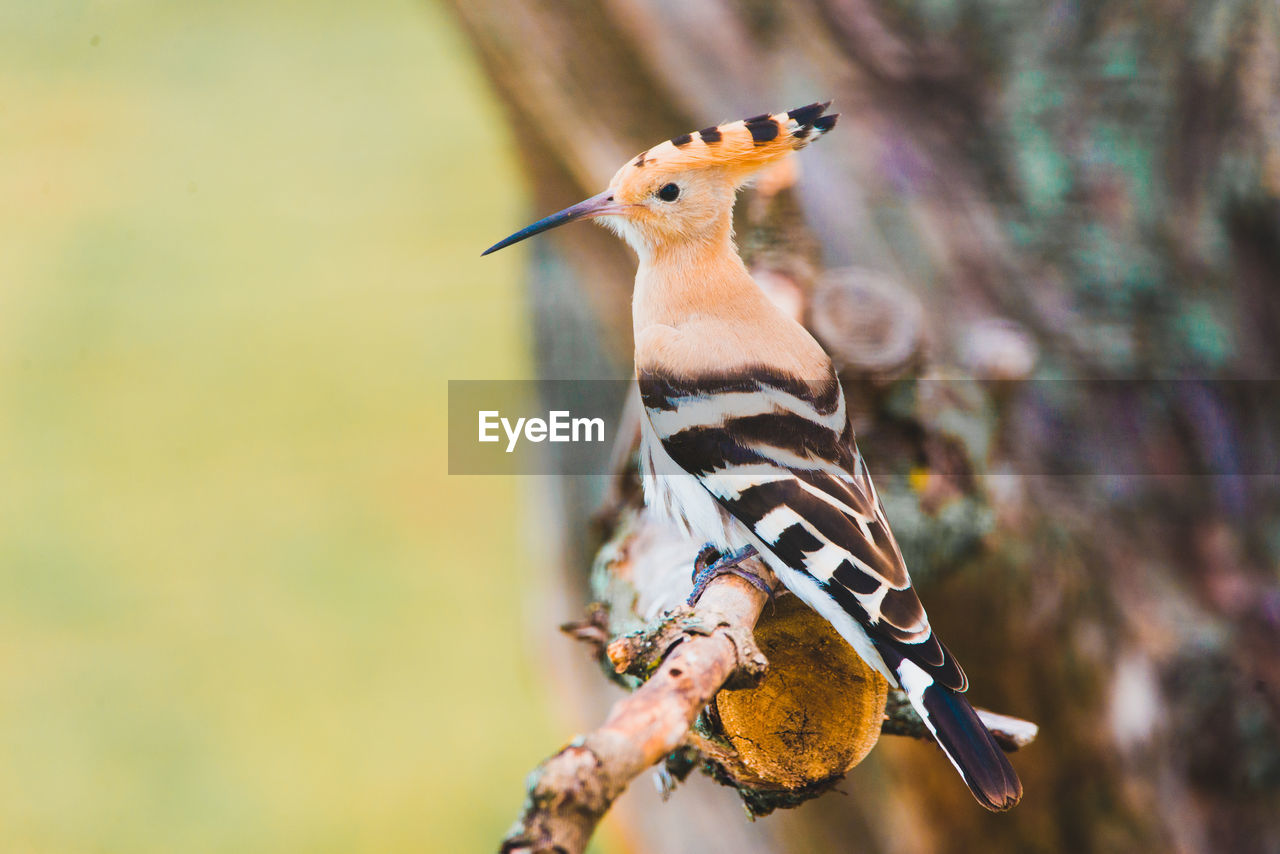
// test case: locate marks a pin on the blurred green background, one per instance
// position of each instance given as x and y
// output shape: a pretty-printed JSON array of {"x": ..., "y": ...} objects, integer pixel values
[{"x": 242, "y": 607}]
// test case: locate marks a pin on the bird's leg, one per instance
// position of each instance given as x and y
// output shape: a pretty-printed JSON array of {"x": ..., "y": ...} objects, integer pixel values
[{"x": 711, "y": 562}]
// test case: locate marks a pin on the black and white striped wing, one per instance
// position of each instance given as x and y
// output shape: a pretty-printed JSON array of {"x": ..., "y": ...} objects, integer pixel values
[{"x": 779, "y": 455}]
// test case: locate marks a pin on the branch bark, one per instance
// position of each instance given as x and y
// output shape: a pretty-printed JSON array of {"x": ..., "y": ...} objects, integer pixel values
[{"x": 571, "y": 791}]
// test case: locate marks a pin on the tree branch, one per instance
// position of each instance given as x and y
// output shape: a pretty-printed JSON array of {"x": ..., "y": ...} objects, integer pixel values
[{"x": 710, "y": 645}]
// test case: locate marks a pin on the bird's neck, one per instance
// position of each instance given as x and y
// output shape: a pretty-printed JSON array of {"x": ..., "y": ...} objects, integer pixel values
[
  {"x": 677, "y": 282},
  {"x": 696, "y": 309}
]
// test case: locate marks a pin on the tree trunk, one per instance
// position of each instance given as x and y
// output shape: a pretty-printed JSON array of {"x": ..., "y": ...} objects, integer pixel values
[{"x": 1070, "y": 211}]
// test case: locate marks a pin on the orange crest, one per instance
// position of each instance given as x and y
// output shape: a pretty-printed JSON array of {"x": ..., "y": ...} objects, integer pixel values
[{"x": 739, "y": 148}]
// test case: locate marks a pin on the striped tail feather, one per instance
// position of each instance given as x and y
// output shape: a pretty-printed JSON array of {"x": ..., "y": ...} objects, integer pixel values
[{"x": 960, "y": 733}]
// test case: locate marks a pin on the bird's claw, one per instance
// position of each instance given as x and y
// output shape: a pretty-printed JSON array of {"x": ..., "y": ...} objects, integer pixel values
[{"x": 712, "y": 563}]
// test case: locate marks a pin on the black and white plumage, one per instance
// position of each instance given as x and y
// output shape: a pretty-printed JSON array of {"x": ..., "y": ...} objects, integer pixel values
[{"x": 757, "y": 457}]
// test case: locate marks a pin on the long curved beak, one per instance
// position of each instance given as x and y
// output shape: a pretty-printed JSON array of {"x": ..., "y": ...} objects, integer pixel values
[{"x": 597, "y": 205}]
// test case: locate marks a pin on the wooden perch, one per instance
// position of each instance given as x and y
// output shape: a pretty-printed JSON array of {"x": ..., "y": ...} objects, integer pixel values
[
  {"x": 815, "y": 715},
  {"x": 571, "y": 791}
]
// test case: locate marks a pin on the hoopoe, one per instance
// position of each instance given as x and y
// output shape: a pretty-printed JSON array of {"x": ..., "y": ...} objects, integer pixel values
[{"x": 745, "y": 441}]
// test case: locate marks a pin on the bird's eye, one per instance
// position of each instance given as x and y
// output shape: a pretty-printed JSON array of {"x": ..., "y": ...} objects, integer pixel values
[{"x": 669, "y": 192}]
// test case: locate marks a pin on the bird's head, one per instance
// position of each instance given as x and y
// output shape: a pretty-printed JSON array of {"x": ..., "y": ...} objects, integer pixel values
[{"x": 682, "y": 190}]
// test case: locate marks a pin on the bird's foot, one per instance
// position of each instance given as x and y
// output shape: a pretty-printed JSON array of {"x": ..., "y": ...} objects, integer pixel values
[{"x": 711, "y": 563}]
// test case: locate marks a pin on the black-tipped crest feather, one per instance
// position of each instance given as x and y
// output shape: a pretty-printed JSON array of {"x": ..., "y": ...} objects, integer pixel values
[
  {"x": 763, "y": 131},
  {"x": 807, "y": 115}
]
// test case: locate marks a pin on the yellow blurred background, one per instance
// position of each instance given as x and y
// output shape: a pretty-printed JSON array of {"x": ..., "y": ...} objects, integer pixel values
[{"x": 242, "y": 607}]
